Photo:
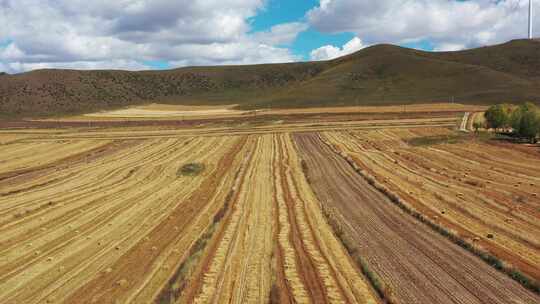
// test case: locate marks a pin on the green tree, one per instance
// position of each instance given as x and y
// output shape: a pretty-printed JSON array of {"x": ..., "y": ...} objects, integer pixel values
[
  {"x": 526, "y": 121},
  {"x": 515, "y": 119},
  {"x": 497, "y": 117},
  {"x": 477, "y": 125}
]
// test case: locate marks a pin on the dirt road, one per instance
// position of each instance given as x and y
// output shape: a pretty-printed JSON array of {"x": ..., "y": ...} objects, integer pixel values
[
  {"x": 419, "y": 265},
  {"x": 464, "y": 122}
]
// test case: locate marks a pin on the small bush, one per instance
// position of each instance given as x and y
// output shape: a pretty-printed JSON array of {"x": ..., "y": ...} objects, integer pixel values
[
  {"x": 435, "y": 140},
  {"x": 191, "y": 169}
]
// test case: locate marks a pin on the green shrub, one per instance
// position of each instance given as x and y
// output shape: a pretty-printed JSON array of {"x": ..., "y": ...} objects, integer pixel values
[
  {"x": 191, "y": 169},
  {"x": 498, "y": 116},
  {"x": 435, "y": 140}
]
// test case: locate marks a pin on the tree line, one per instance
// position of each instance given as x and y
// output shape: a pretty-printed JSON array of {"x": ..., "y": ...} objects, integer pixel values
[{"x": 523, "y": 121}]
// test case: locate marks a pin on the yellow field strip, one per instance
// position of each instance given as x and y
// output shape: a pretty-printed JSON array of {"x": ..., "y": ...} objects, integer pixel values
[
  {"x": 275, "y": 195},
  {"x": 147, "y": 133},
  {"x": 23, "y": 156},
  {"x": 240, "y": 270},
  {"x": 60, "y": 236}
]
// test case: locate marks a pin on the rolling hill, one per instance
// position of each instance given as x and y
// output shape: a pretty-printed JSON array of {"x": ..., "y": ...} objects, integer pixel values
[{"x": 381, "y": 74}]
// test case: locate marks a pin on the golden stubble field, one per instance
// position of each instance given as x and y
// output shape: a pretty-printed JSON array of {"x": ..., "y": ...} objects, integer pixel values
[{"x": 278, "y": 215}]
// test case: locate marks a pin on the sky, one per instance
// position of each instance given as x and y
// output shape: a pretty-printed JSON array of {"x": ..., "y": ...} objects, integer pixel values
[{"x": 164, "y": 34}]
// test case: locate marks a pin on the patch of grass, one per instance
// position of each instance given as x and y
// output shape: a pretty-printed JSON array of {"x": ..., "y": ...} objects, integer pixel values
[
  {"x": 191, "y": 169},
  {"x": 440, "y": 139}
]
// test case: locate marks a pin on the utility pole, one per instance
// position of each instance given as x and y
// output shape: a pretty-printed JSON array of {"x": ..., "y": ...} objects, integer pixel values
[{"x": 530, "y": 19}]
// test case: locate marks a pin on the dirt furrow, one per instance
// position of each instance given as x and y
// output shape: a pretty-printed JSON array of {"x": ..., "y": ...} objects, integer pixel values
[
  {"x": 418, "y": 264},
  {"x": 478, "y": 190},
  {"x": 289, "y": 265}
]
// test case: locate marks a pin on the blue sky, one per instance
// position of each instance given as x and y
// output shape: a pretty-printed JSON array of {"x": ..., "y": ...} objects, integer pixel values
[
  {"x": 279, "y": 11},
  {"x": 163, "y": 34}
]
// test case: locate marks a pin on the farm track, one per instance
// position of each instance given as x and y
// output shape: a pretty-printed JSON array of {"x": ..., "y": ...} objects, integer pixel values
[
  {"x": 464, "y": 127},
  {"x": 475, "y": 189},
  {"x": 84, "y": 236},
  {"x": 419, "y": 265},
  {"x": 276, "y": 231}
]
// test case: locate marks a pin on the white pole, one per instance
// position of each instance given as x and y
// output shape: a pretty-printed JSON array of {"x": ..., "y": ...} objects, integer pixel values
[{"x": 530, "y": 19}]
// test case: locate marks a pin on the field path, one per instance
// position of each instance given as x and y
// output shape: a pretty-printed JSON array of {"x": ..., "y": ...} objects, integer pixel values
[
  {"x": 464, "y": 122},
  {"x": 419, "y": 265}
]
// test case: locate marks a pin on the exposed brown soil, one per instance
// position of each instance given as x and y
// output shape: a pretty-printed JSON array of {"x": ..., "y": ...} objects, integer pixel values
[
  {"x": 419, "y": 265},
  {"x": 473, "y": 187},
  {"x": 259, "y": 118}
]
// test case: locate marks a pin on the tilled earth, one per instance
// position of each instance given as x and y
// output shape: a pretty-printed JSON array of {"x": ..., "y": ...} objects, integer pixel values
[{"x": 418, "y": 264}]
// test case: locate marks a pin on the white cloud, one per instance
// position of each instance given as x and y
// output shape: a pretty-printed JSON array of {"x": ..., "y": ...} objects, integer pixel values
[
  {"x": 330, "y": 52},
  {"x": 449, "y": 47},
  {"x": 11, "y": 52},
  {"x": 444, "y": 22},
  {"x": 281, "y": 34},
  {"x": 124, "y": 33},
  {"x": 79, "y": 65}
]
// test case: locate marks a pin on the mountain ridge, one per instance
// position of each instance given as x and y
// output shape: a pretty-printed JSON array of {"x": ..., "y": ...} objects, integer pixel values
[{"x": 380, "y": 74}]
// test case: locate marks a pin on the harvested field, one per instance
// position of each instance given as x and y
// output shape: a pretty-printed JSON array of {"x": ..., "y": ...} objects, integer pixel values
[
  {"x": 415, "y": 263},
  {"x": 277, "y": 239},
  {"x": 164, "y": 111},
  {"x": 475, "y": 188},
  {"x": 263, "y": 211},
  {"x": 113, "y": 228},
  {"x": 105, "y": 221},
  {"x": 226, "y": 129},
  {"x": 160, "y": 111}
]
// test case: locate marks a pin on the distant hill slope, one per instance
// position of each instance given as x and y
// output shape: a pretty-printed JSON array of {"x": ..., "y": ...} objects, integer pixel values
[{"x": 382, "y": 74}]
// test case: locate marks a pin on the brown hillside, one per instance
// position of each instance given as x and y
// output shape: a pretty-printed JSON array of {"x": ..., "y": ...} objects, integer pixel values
[{"x": 382, "y": 74}]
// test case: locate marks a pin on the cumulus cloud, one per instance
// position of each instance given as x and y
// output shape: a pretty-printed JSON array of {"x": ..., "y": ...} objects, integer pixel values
[
  {"x": 125, "y": 33},
  {"x": 449, "y": 24},
  {"x": 79, "y": 65},
  {"x": 449, "y": 47},
  {"x": 281, "y": 34},
  {"x": 330, "y": 52}
]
